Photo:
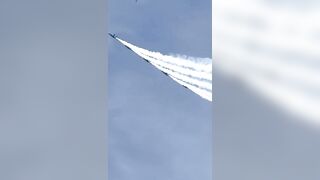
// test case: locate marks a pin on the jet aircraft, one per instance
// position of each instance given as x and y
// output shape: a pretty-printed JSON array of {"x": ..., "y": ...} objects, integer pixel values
[{"x": 112, "y": 35}]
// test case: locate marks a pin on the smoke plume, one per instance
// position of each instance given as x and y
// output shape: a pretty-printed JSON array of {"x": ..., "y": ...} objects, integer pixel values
[
  {"x": 192, "y": 73},
  {"x": 272, "y": 48}
]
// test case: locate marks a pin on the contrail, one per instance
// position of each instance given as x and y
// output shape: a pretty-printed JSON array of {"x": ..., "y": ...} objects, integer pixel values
[
  {"x": 273, "y": 49},
  {"x": 192, "y": 73}
]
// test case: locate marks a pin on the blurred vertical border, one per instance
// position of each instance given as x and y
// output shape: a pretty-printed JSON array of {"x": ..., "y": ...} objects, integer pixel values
[{"x": 53, "y": 78}]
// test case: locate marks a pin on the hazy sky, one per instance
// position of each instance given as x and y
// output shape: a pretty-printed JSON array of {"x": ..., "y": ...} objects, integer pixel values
[
  {"x": 53, "y": 100},
  {"x": 53, "y": 90},
  {"x": 157, "y": 129},
  {"x": 253, "y": 138}
]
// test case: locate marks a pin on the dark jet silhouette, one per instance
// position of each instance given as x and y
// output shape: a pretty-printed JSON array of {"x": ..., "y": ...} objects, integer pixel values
[
  {"x": 165, "y": 73},
  {"x": 112, "y": 35}
]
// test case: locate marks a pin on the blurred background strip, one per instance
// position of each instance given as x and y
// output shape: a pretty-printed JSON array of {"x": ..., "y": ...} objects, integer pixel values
[
  {"x": 267, "y": 87},
  {"x": 53, "y": 67}
]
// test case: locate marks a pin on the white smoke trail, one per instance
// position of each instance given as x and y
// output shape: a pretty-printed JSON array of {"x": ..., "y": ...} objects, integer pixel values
[
  {"x": 272, "y": 48},
  {"x": 192, "y": 73}
]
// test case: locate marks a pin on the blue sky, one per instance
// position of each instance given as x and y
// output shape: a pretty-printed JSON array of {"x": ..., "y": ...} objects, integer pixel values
[{"x": 157, "y": 129}]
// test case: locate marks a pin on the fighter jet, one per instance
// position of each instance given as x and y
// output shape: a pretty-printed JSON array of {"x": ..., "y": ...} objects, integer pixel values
[
  {"x": 165, "y": 73},
  {"x": 146, "y": 60},
  {"x": 112, "y": 35}
]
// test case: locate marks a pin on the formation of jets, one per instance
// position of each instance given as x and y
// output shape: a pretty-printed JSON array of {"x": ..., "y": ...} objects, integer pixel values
[{"x": 115, "y": 37}]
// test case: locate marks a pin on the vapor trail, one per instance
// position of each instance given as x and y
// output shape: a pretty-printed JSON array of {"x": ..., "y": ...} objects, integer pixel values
[
  {"x": 273, "y": 48},
  {"x": 192, "y": 73}
]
